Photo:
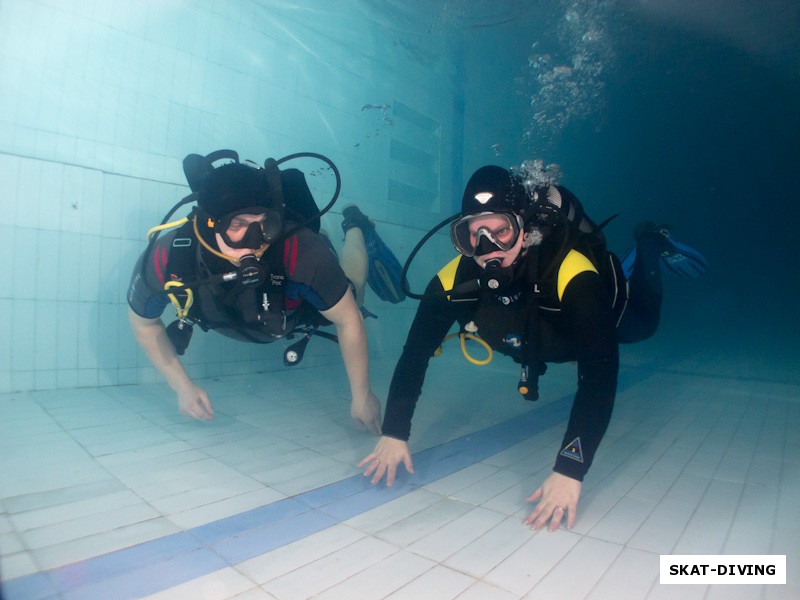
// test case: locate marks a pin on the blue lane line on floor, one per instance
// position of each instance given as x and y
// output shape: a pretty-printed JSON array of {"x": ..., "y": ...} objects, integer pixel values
[{"x": 165, "y": 562}]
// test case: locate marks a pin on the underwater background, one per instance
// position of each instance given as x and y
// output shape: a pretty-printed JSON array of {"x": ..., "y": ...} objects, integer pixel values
[{"x": 683, "y": 113}]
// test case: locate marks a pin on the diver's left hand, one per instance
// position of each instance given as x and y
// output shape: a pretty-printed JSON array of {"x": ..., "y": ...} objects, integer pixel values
[
  {"x": 558, "y": 494},
  {"x": 367, "y": 413}
]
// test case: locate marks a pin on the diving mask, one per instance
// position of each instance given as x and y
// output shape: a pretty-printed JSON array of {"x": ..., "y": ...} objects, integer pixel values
[
  {"x": 482, "y": 233},
  {"x": 256, "y": 233}
]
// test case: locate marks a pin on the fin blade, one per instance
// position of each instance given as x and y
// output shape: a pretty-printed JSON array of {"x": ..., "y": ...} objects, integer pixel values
[{"x": 384, "y": 269}]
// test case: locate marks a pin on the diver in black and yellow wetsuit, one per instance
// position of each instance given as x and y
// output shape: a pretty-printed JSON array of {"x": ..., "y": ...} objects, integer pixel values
[{"x": 535, "y": 282}]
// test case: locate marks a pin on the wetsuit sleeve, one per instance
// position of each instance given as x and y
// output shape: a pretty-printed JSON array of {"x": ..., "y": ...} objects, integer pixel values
[
  {"x": 587, "y": 312},
  {"x": 314, "y": 271},
  {"x": 433, "y": 320},
  {"x": 145, "y": 292}
]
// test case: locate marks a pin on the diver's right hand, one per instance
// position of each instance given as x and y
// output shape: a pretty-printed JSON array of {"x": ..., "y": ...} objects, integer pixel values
[
  {"x": 384, "y": 458},
  {"x": 193, "y": 402},
  {"x": 367, "y": 414}
]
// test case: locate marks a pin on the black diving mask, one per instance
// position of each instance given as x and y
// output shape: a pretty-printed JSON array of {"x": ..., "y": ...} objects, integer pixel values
[
  {"x": 482, "y": 233},
  {"x": 256, "y": 233}
]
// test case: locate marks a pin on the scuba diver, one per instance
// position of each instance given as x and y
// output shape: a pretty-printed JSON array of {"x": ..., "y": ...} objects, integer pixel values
[
  {"x": 249, "y": 262},
  {"x": 534, "y": 280}
]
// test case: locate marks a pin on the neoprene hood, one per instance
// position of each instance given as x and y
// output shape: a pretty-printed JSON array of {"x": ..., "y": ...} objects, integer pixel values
[
  {"x": 232, "y": 188},
  {"x": 493, "y": 189}
]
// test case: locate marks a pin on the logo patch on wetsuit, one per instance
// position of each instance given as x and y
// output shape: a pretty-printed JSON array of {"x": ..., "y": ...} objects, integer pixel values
[
  {"x": 573, "y": 450},
  {"x": 513, "y": 340},
  {"x": 508, "y": 299}
]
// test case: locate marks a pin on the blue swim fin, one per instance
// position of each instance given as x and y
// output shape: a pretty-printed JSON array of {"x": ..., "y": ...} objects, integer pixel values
[
  {"x": 384, "y": 269},
  {"x": 682, "y": 260},
  {"x": 627, "y": 261},
  {"x": 383, "y": 276},
  {"x": 673, "y": 256}
]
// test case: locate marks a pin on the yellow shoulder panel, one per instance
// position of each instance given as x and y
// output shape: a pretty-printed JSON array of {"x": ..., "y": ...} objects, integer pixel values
[
  {"x": 573, "y": 264},
  {"x": 447, "y": 275}
]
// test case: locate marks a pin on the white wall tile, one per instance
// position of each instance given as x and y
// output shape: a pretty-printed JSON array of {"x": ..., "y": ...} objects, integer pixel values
[{"x": 23, "y": 315}]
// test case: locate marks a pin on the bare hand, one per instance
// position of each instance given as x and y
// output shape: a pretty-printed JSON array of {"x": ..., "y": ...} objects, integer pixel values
[
  {"x": 383, "y": 460},
  {"x": 193, "y": 402},
  {"x": 367, "y": 414},
  {"x": 557, "y": 496}
]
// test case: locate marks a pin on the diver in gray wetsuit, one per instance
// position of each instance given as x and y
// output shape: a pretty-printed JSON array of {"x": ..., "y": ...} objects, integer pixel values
[{"x": 221, "y": 273}]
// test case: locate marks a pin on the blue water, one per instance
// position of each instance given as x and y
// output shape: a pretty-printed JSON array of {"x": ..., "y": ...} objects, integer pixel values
[
  {"x": 681, "y": 112},
  {"x": 697, "y": 127}
]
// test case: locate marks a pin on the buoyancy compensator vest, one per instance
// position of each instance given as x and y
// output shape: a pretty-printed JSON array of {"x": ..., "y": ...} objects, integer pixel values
[
  {"x": 577, "y": 245},
  {"x": 244, "y": 299}
]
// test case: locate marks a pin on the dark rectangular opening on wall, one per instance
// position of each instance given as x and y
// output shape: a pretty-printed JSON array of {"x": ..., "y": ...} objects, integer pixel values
[
  {"x": 417, "y": 119},
  {"x": 410, "y": 195},
  {"x": 413, "y": 157},
  {"x": 457, "y": 146},
  {"x": 414, "y": 153}
]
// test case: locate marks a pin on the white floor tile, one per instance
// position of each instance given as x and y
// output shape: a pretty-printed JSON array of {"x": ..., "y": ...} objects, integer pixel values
[
  {"x": 690, "y": 465},
  {"x": 313, "y": 475},
  {"x": 110, "y": 540},
  {"x": 219, "y": 585},
  {"x": 425, "y": 522},
  {"x": 483, "y": 591},
  {"x": 17, "y": 564},
  {"x": 299, "y": 554},
  {"x": 380, "y": 580},
  {"x": 225, "y": 507},
  {"x": 205, "y": 492},
  {"x": 629, "y": 577},
  {"x": 623, "y": 520},
  {"x": 490, "y": 549},
  {"x": 311, "y": 580},
  {"x": 386, "y": 515},
  {"x": 74, "y": 529},
  {"x": 513, "y": 499},
  {"x": 752, "y": 525},
  {"x": 736, "y": 592},
  {"x": 474, "y": 474},
  {"x": 70, "y": 511},
  {"x": 531, "y": 562},
  {"x": 495, "y": 484},
  {"x": 677, "y": 592},
  {"x": 251, "y": 594},
  {"x": 457, "y": 534},
  {"x": 440, "y": 583},
  {"x": 589, "y": 557},
  {"x": 707, "y": 529},
  {"x": 665, "y": 525}
]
